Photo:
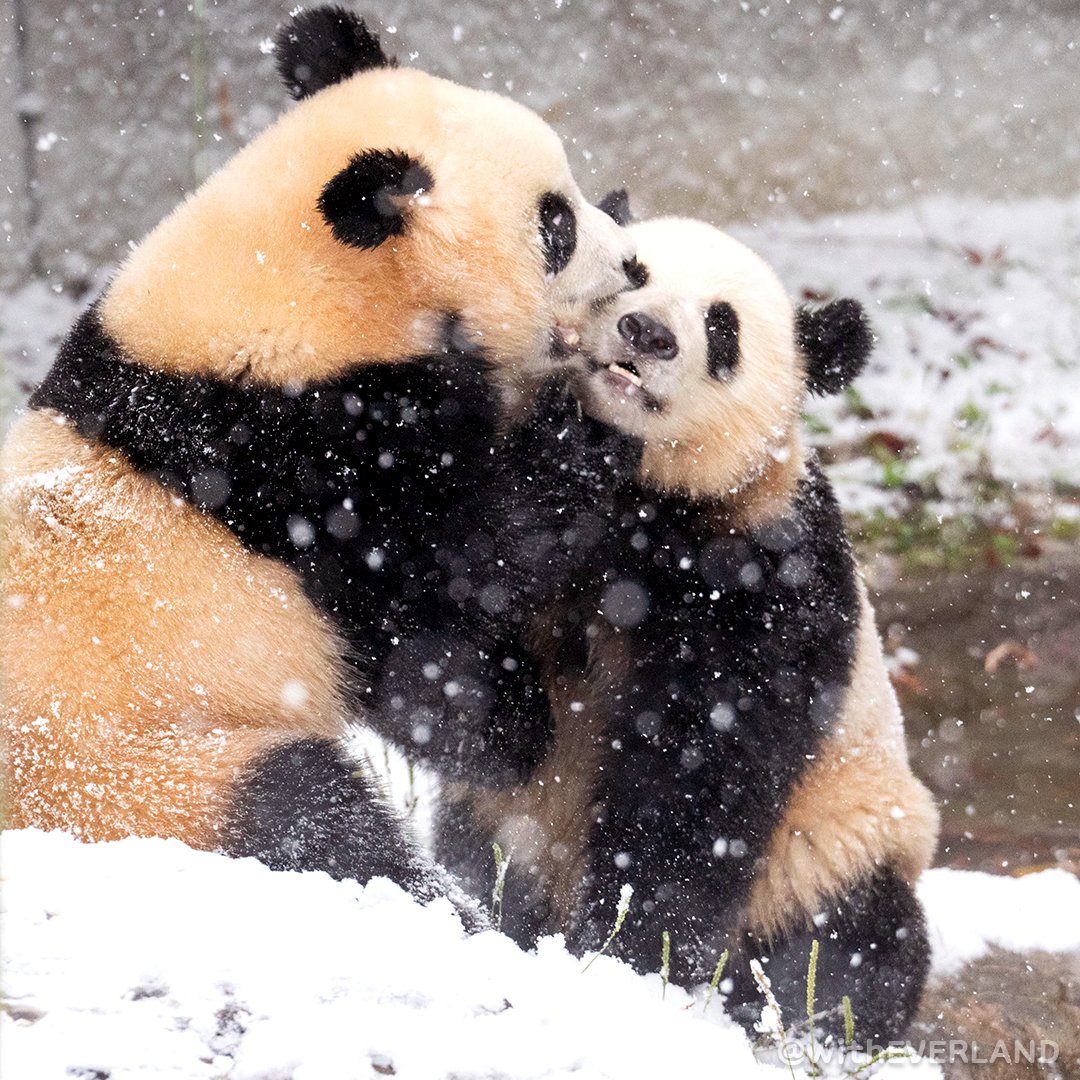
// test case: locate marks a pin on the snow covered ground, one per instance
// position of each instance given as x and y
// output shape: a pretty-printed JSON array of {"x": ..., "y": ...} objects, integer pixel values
[
  {"x": 972, "y": 398},
  {"x": 145, "y": 959},
  {"x": 973, "y": 392}
]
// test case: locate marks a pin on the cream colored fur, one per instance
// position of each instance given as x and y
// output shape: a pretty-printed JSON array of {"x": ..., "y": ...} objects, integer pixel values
[
  {"x": 711, "y": 438},
  {"x": 147, "y": 656},
  {"x": 246, "y": 279}
]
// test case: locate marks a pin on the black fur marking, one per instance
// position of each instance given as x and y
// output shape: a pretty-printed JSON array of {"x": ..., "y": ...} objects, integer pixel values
[
  {"x": 873, "y": 947},
  {"x": 616, "y": 204},
  {"x": 739, "y": 649},
  {"x": 496, "y": 692},
  {"x": 363, "y": 204},
  {"x": 836, "y": 340},
  {"x": 476, "y": 873},
  {"x": 458, "y": 830},
  {"x": 303, "y": 806},
  {"x": 637, "y": 273},
  {"x": 558, "y": 231},
  {"x": 323, "y": 46},
  {"x": 408, "y": 519},
  {"x": 539, "y": 521},
  {"x": 722, "y": 338}
]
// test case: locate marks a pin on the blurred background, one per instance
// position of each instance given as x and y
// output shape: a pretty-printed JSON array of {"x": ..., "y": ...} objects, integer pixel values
[
  {"x": 111, "y": 110},
  {"x": 921, "y": 155}
]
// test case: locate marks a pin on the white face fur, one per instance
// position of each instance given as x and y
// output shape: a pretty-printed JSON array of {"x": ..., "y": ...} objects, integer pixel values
[{"x": 701, "y": 362}]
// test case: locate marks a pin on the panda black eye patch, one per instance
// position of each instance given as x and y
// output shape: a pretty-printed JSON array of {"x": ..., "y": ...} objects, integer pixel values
[
  {"x": 722, "y": 338},
  {"x": 558, "y": 231}
]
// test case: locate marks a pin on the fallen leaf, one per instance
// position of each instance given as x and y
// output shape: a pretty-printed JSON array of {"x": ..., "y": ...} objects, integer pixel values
[{"x": 1010, "y": 649}]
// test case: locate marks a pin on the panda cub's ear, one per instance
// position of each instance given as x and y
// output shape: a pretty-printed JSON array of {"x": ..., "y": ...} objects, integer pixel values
[
  {"x": 616, "y": 204},
  {"x": 320, "y": 47},
  {"x": 836, "y": 341},
  {"x": 370, "y": 199}
]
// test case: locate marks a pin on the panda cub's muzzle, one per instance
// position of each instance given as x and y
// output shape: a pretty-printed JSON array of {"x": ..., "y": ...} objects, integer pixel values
[
  {"x": 623, "y": 362},
  {"x": 647, "y": 336}
]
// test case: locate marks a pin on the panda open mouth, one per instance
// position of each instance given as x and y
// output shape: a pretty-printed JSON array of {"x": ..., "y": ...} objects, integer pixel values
[
  {"x": 622, "y": 377},
  {"x": 626, "y": 370}
]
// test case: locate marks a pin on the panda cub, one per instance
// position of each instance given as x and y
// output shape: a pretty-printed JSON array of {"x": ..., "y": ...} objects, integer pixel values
[{"x": 727, "y": 741}]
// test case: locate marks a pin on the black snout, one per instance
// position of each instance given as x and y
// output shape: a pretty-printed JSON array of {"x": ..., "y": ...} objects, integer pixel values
[{"x": 648, "y": 336}]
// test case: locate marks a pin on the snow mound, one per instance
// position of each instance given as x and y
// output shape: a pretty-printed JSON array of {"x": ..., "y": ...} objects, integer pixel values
[
  {"x": 969, "y": 911},
  {"x": 143, "y": 958},
  {"x": 971, "y": 392},
  {"x": 146, "y": 959}
]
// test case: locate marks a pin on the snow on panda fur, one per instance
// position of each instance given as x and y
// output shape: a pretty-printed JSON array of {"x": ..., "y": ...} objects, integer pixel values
[
  {"x": 727, "y": 740},
  {"x": 223, "y": 509}
]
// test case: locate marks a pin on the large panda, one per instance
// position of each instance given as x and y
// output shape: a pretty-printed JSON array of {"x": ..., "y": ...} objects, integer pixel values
[
  {"x": 248, "y": 478},
  {"x": 727, "y": 740}
]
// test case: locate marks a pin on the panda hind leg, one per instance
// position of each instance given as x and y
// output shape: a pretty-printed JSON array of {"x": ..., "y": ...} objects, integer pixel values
[
  {"x": 305, "y": 806},
  {"x": 466, "y": 847},
  {"x": 872, "y": 948}
]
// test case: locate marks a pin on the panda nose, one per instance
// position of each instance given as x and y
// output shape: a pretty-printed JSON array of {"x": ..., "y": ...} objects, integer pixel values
[{"x": 646, "y": 335}]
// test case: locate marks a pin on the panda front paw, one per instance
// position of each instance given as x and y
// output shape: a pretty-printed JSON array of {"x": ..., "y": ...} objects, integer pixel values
[
  {"x": 561, "y": 472},
  {"x": 576, "y": 456}
]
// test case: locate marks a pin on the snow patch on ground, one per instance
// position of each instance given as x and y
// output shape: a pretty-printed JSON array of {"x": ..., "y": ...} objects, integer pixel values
[
  {"x": 145, "y": 959},
  {"x": 969, "y": 911},
  {"x": 973, "y": 390}
]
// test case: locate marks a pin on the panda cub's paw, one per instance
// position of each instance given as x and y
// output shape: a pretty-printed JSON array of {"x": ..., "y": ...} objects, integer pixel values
[
  {"x": 565, "y": 471},
  {"x": 479, "y": 715},
  {"x": 579, "y": 455}
]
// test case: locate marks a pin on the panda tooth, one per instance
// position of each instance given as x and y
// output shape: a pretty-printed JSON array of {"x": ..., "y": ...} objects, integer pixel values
[{"x": 629, "y": 376}]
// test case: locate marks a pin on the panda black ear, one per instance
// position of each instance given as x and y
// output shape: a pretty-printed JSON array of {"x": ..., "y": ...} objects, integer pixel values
[
  {"x": 320, "y": 47},
  {"x": 369, "y": 200},
  {"x": 836, "y": 341},
  {"x": 616, "y": 204}
]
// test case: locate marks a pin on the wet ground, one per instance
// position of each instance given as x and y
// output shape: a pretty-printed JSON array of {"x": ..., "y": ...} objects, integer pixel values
[
  {"x": 1001, "y": 1000},
  {"x": 992, "y": 704}
]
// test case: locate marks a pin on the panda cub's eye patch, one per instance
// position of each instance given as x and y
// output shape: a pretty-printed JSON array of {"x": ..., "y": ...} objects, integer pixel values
[
  {"x": 722, "y": 337},
  {"x": 558, "y": 231}
]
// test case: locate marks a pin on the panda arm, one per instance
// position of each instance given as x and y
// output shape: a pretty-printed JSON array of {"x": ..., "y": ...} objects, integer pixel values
[
  {"x": 549, "y": 502},
  {"x": 474, "y": 714},
  {"x": 546, "y": 503},
  {"x": 466, "y": 694}
]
